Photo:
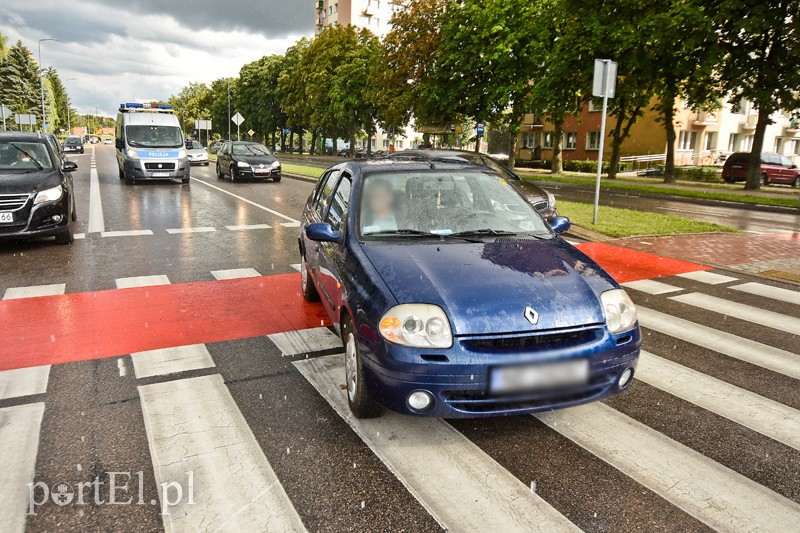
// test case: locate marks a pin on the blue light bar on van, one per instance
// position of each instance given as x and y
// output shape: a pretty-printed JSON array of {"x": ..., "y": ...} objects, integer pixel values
[
  {"x": 131, "y": 106},
  {"x": 164, "y": 106}
]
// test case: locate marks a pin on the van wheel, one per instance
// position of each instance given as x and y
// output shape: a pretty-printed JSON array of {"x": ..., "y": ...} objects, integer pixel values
[
  {"x": 796, "y": 183},
  {"x": 185, "y": 181},
  {"x": 121, "y": 174},
  {"x": 361, "y": 405},
  {"x": 764, "y": 180}
]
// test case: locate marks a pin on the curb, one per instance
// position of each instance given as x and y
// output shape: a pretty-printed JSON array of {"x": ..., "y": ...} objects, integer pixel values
[{"x": 299, "y": 177}]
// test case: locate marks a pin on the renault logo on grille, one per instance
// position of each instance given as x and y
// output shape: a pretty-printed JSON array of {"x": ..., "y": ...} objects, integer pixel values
[{"x": 531, "y": 315}]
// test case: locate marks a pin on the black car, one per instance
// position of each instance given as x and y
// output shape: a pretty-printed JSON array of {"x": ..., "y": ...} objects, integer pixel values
[
  {"x": 542, "y": 201},
  {"x": 36, "y": 194},
  {"x": 73, "y": 143},
  {"x": 241, "y": 160}
]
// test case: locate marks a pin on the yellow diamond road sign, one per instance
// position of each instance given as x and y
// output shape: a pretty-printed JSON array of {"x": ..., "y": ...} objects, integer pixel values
[{"x": 251, "y": 132}]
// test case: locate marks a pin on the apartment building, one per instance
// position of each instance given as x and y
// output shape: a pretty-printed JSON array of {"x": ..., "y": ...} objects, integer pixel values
[
  {"x": 702, "y": 138},
  {"x": 372, "y": 14}
]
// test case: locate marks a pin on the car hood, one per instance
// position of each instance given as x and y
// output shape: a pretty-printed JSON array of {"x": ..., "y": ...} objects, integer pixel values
[
  {"x": 256, "y": 159},
  {"x": 27, "y": 183},
  {"x": 197, "y": 151},
  {"x": 486, "y": 288}
]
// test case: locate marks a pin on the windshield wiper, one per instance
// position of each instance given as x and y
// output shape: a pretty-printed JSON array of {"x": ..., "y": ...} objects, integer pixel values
[
  {"x": 35, "y": 161},
  {"x": 412, "y": 232},
  {"x": 485, "y": 231}
]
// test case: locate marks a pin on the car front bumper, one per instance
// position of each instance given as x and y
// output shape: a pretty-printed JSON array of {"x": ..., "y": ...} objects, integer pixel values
[
  {"x": 458, "y": 378},
  {"x": 42, "y": 220},
  {"x": 137, "y": 169},
  {"x": 199, "y": 160},
  {"x": 248, "y": 174}
]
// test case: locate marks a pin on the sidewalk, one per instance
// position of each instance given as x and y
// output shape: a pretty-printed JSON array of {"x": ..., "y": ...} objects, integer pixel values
[{"x": 773, "y": 255}]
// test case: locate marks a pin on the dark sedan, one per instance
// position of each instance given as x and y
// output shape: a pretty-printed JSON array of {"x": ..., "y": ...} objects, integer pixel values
[
  {"x": 36, "y": 193},
  {"x": 542, "y": 201},
  {"x": 454, "y": 298},
  {"x": 73, "y": 144},
  {"x": 240, "y": 160}
]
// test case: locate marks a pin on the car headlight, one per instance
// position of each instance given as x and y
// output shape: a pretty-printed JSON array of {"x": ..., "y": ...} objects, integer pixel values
[
  {"x": 182, "y": 153},
  {"x": 133, "y": 154},
  {"x": 551, "y": 200},
  {"x": 276, "y": 165},
  {"x": 242, "y": 164},
  {"x": 418, "y": 325},
  {"x": 619, "y": 310},
  {"x": 49, "y": 195}
]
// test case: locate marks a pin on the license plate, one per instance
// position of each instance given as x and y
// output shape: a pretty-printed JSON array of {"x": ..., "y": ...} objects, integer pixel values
[
  {"x": 6, "y": 217},
  {"x": 262, "y": 171},
  {"x": 539, "y": 376},
  {"x": 160, "y": 174}
]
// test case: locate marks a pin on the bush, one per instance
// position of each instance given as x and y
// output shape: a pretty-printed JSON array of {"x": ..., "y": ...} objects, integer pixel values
[
  {"x": 702, "y": 174},
  {"x": 590, "y": 166}
]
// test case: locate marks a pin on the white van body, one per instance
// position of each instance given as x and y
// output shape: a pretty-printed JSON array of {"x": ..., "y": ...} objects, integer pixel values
[{"x": 150, "y": 144}]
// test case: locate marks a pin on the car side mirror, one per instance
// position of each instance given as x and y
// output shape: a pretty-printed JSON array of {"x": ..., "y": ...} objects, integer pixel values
[
  {"x": 69, "y": 166},
  {"x": 322, "y": 232},
  {"x": 119, "y": 144},
  {"x": 560, "y": 225}
]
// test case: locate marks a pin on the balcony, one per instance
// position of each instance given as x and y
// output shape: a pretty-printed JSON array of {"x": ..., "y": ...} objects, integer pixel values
[
  {"x": 792, "y": 127},
  {"x": 370, "y": 10},
  {"x": 748, "y": 123},
  {"x": 704, "y": 118},
  {"x": 532, "y": 121}
]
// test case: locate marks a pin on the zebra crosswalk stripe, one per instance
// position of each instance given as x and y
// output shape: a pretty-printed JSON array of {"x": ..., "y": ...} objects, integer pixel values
[
  {"x": 768, "y": 291},
  {"x": 705, "y": 489},
  {"x": 755, "y": 315},
  {"x": 460, "y": 485}
]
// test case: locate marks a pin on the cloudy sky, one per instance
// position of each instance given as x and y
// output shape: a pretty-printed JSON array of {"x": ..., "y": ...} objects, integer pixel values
[{"x": 138, "y": 50}]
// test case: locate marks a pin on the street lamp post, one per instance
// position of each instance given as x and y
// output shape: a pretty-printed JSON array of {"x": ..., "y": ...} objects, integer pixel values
[
  {"x": 41, "y": 80},
  {"x": 69, "y": 111}
]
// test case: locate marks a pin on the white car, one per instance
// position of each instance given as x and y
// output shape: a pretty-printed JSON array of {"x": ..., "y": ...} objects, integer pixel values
[
  {"x": 108, "y": 140},
  {"x": 198, "y": 155}
]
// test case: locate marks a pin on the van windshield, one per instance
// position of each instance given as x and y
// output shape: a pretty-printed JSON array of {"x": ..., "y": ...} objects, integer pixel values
[{"x": 154, "y": 136}]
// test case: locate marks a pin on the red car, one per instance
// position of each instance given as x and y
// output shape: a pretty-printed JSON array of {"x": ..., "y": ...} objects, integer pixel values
[{"x": 775, "y": 168}]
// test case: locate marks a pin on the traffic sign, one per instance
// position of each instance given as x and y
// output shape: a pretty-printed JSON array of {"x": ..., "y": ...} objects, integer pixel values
[
  {"x": 605, "y": 78},
  {"x": 202, "y": 124},
  {"x": 5, "y": 112},
  {"x": 250, "y": 132},
  {"x": 481, "y": 128},
  {"x": 237, "y": 119},
  {"x": 25, "y": 119},
  {"x": 286, "y": 131}
]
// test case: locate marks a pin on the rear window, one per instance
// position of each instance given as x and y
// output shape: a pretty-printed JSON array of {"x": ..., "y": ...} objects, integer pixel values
[{"x": 739, "y": 158}]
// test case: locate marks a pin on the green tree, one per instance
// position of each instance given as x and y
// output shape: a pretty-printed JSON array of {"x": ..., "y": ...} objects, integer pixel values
[
  {"x": 192, "y": 103},
  {"x": 259, "y": 99},
  {"x": 217, "y": 105},
  {"x": 19, "y": 82},
  {"x": 3, "y": 47},
  {"x": 294, "y": 92},
  {"x": 61, "y": 104},
  {"x": 761, "y": 43}
]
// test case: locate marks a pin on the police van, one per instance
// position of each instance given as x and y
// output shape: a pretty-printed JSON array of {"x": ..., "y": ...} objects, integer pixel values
[{"x": 150, "y": 144}]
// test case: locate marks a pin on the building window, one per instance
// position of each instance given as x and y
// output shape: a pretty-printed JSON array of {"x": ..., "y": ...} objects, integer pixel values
[
  {"x": 711, "y": 141},
  {"x": 374, "y": 143},
  {"x": 747, "y": 143},
  {"x": 797, "y": 147},
  {"x": 548, "y": 139},
  {"x": 399, "y": 144},
  {"x": 733, "y": 142},
  {"x": 570, "y": 140},
  {"x": 335, "y": 8},
  {"x": 593, "y": 140},
  {"x": 529, "y": 140},
  {"x": 595, "y": 105},
  {"x": 386, "y": 144},
  {"x": 778, "y": 145},
  {"x": 687, "y": 140}
]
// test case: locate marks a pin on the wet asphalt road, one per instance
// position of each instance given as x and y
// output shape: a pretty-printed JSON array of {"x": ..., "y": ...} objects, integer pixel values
[{"x": 679, "y": 459}]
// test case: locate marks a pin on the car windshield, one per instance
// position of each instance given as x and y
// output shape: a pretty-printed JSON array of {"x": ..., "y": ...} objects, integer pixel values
[
  {"x": 250, "y": 149},
  {"x": 73, "y": 140},
  {"x": 18, "y": 156},
  {"x": 444, "y": 203},
  {"x": 154, "y": 136},
  {"x": 194, "y": 145}
]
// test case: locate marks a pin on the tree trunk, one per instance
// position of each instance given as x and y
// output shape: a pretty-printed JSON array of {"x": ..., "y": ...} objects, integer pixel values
[
  {"x": 300, "y": 139},
  {"x": 556, "y": 165},
  {"x": 668, "y": 112},
  {"x": 335, "y": 145},
  {"x": 512, "y": 150},
  {"x": 291, "y": 140},
  {"x": 283, "y": 140},
  {"x": 313, "y": 142},
  {"x": 616, "y": 146},
  {"x": 754, "y": 169},
  {"x": 478, "y": 143},
  {"x": 352, "y": 150}
]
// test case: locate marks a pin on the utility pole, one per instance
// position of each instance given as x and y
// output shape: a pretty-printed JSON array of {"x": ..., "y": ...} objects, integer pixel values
[
  {"x": 41, "y": 82},
  {"x": 229, "y": 109},
  {"x": 69, "y": 110}
]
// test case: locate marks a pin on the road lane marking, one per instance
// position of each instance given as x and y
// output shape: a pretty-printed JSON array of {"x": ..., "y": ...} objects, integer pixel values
[
  {"x": 768, "y": 417},
  {"x": 705, "y": 489},
  {"x": 194, "y": 425},
  {"x": 20, "y": 427},
  {"x": 756, "y": 353},
  {"x": 745, "y": 312},
  {"x": 462, "y": 487},
  {"x": 24, "y": 382},
  {"x": 292, "y": 223},
  {"x": 247, "y": 227},
  {"x": 171, "y": 360},
  {"x": 651, "y": 286},
  {"x": 191, "y": 230},
  {"x": 768, "y": 291},
  {"x": 79, "y": 236},
  {"x": 235, "y": 273},
  {"x": 142, "y": 281},
  {"x": 34, "y": 291},
  {"x": 96, "y": 222},
  {"x": 296, "y": 266},
  {"x": 709, "y": 278},
  {"x": 129, "y": 233},
  {"x": 306, "y": 341}
]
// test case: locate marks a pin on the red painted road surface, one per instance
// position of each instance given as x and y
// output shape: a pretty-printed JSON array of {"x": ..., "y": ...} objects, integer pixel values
[{"x": 93, "y": 325}]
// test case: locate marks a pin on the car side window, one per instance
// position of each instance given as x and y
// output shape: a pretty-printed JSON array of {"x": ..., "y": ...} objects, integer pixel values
[
  {"x": 785, "y": 161},
  {"x": 340, "y": 202},
  {"x": 323, "y": 194}
]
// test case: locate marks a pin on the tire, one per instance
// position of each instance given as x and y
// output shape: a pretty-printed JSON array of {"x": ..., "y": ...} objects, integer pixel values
[
  {"x": 121, "y": 174},
  {"x": 796, "y": 183},
  {"x": 185, "y": 181},
  {"x": 219, "y": 172},
  {"x": 361, "y": 405},
  {"x": 764, "y": 180},
  {"x": 310, "y": 293},
  {"x": 66, "y": 237},
  {"x": 205, "y": 164},
  {"x": 277, "y": 179},
  {"x": 233, "y": 173}
]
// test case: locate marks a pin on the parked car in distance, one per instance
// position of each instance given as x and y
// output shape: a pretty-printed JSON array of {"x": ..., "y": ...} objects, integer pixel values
[
  {"x": 240, "y": 160},
  {"x": 72, "y": 144},
  {"x": 455, "y": 298},
  {"x": 36, "y": 192},
  {"x": 775, "y": 168},
  {"x": 214, "y": 148},
  {"x": 108, "y": 140},
  {"x": 542, "y": 201},
  {"x": 197, "y": 153}
]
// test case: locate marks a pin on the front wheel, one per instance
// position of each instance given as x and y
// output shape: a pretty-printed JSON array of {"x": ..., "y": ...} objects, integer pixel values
[
  {"x": 361, "y": 405},
  {"x": 219, "y": 172},
  {"x": 796, "y": 183},
  {"x": 277, "y": 179},
  {"x": 233, "y": 173},
  {"x": 310, "y": 293},
  {"x": 66, "y": 237},
  {"x": 764, "y": 180},
  {"x": 185, "y": 181}
]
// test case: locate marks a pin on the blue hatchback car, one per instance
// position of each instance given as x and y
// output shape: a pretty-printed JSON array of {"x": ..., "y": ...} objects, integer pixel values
[{"x": 454, "y": 298}]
